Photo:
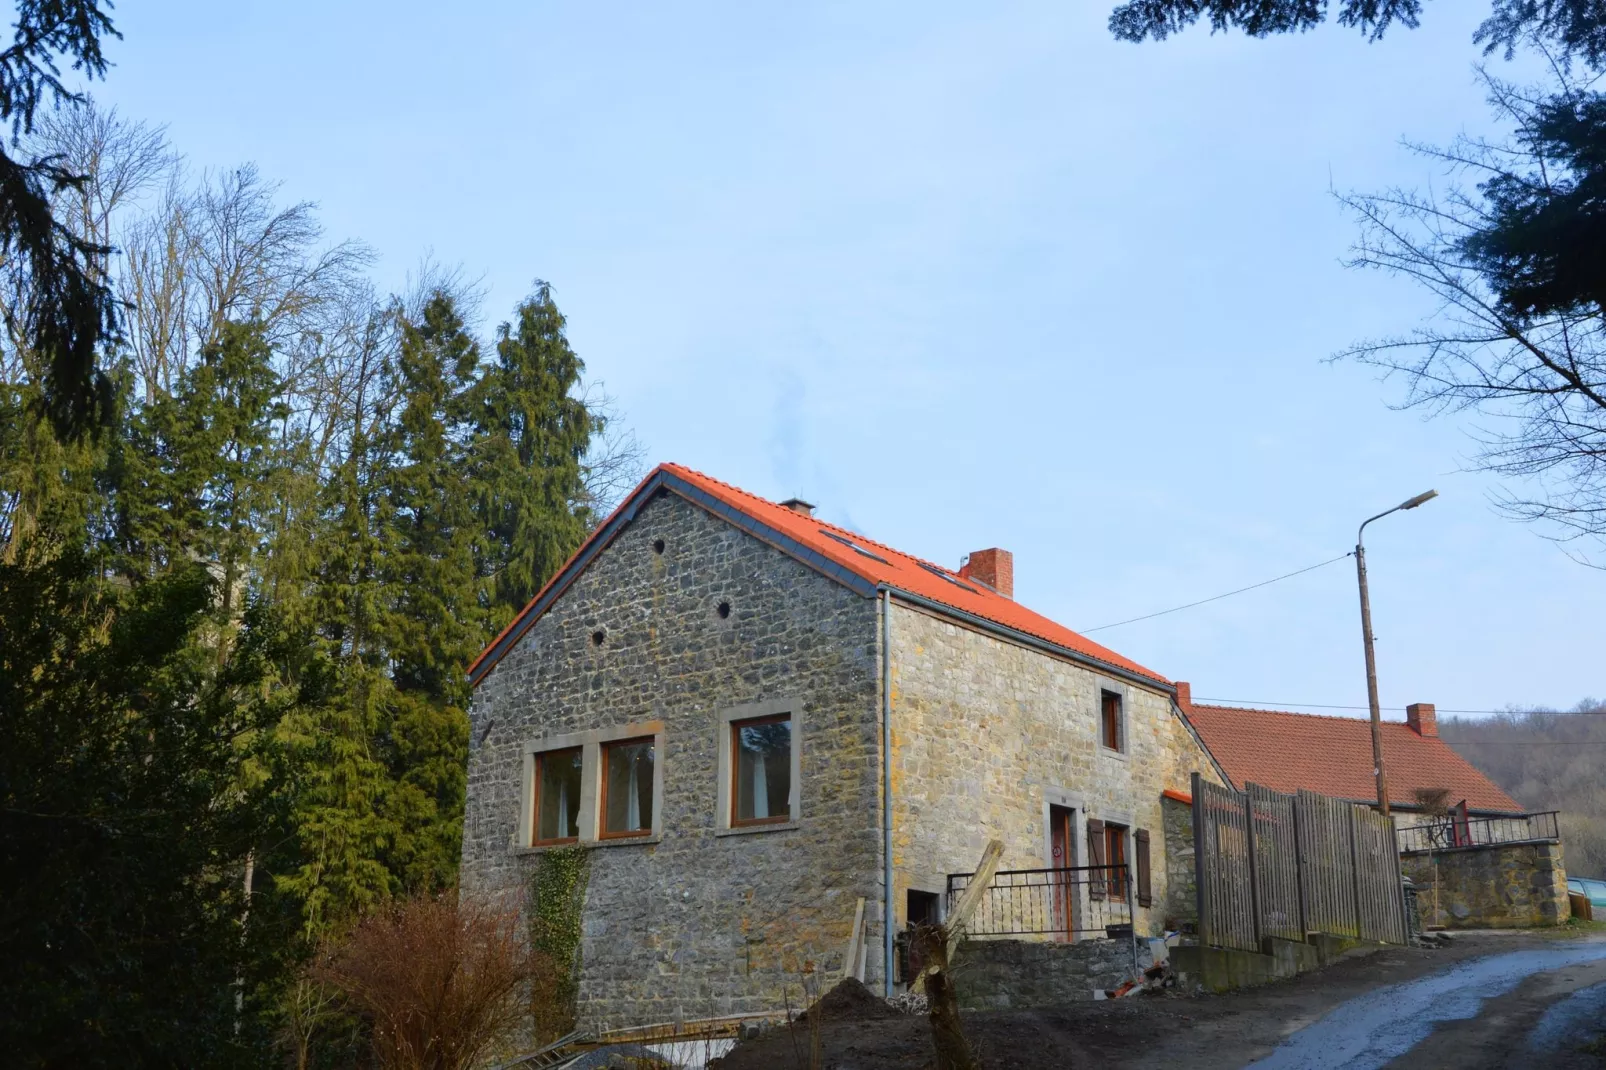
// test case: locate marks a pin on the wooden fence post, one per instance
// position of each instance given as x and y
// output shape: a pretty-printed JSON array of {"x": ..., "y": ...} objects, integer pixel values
[
  {"x": 1256, "y": 927},
  {"x": 1300, "y": 883},
  {"x": 1355, "y": 871},
  {"x": 1200, "y": 869}
]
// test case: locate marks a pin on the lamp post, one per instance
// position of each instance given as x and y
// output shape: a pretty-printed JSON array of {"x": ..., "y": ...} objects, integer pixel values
[{"x": 1366, "y": 638}]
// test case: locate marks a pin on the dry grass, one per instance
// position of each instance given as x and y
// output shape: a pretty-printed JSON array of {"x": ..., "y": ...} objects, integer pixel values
[{"x": 437, "y": 979}]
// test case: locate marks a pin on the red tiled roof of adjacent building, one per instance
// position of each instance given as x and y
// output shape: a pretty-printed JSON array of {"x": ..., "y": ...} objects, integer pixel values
[
  {"x": 843, "y": 552},
  {"x": 1333, "y": 755}
]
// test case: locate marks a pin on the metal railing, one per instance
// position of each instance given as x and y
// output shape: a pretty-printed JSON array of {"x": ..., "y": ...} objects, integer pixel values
[
  {"x": 1457, "y": 830},
  {"x": 1084, "y": 900}
]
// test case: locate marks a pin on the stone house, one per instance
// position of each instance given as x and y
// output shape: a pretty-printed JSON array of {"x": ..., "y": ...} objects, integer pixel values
[
  {"x": 752, "y": 719},
  {"x": 1494, "y": 867}
]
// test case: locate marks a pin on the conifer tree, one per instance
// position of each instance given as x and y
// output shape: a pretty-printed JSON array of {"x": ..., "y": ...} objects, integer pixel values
[{"x": 532, "y": 433}]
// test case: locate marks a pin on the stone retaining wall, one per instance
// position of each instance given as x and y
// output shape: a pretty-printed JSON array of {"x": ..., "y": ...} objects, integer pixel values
[
  {"x": 997, "y": 975},
  {"x": 1510, "y": 886}
]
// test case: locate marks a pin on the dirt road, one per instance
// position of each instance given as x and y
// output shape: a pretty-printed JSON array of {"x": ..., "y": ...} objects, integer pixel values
[{"x": 1489, "y": 1001}]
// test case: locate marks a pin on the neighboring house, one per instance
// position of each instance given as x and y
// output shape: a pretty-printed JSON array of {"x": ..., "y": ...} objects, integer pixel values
[
  {"x": 1490, "y": 866},
  {"x": 1333, "y": 756},
  {"x": 703, "y": 697}
]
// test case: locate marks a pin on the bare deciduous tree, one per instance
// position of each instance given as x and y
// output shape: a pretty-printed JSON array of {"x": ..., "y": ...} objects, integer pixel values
[{"x": 1537, "y": 381}]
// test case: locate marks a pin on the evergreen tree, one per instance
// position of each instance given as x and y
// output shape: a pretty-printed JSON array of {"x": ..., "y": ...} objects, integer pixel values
[
  {"x": 126, "y": 816},
  {"x": 532, "y": 432},
  {"x": 434, "y": 623},
  {"x": 196, "y": 465}
]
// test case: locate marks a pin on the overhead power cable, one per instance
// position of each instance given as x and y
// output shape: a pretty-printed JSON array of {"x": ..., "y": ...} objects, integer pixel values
[
  {"x": 1219, "y": 597},
  {"x": 1390, "y": 709}
]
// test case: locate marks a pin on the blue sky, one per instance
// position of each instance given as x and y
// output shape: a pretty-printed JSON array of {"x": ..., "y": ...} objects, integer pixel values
[{"x": 965, "y": 275}]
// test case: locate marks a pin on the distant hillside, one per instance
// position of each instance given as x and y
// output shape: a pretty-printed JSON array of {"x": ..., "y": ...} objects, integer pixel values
[{"x": 1547, "y": 761}]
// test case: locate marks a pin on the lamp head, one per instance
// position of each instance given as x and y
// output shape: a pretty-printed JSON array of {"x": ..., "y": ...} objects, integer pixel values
[{"x": 1419, "y": 499}]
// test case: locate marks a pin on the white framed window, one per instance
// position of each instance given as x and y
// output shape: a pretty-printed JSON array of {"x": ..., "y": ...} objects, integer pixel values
[
  {"x": 604, "y": 786},
  {"x": 760, "y": 750}
]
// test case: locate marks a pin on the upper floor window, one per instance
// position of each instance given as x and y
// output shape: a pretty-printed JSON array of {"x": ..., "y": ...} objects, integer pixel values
[
  {"x": 627, "y": 787},
  {"x": 1111, "y": 721},
  {"x": 557, "y": 796},
  {"x": 762, "y": 781}
]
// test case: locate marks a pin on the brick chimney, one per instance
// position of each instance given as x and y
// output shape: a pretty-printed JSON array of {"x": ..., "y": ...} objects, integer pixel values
[
  {"x": 798, "y": 505},
  {"x": 993, "y": 568},
  {"x": 1422, "y": 720},
  {"x": 1185, "y": 696}
]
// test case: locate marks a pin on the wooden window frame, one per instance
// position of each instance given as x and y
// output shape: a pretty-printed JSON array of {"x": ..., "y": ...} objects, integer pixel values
[
  {"x": 535, "y": 798},
  {"x": 1118, "y": 727},
  {"x": 602, "y": 776},
  {"x": 1115, "y": 854},
  {"x": 736, "y": 770}
]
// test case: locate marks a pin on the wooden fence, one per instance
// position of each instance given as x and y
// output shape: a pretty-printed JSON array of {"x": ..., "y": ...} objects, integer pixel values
[{"x": 1270, "y": 864}]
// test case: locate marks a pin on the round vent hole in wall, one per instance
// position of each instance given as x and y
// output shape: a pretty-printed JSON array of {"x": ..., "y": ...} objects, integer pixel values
[
  {"x": 724, "y": 610},
  {"x": 657, "y": 546},
  {"x": 597, "y": 637}
]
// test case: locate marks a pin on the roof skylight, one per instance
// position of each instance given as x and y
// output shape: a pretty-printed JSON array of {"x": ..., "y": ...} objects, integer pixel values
[
  {"x": 850, "y": 544},
  {"x": 950, "y": 577}
]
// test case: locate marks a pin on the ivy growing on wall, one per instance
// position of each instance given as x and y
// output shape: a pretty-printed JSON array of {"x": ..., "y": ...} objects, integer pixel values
[{"x": 557, "y": 896}]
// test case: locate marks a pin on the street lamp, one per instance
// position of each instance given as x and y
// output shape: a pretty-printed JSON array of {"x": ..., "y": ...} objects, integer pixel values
[{"x": 1366, "y": 637}]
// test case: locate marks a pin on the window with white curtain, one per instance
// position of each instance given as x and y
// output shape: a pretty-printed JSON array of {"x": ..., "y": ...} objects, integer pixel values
[
  {"x": 627, "y": 783},
  {"x": 557, "y": 796},
  {"x": 762, "y": 773}
]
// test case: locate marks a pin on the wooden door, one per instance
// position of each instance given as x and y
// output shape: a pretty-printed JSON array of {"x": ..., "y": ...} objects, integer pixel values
[{"x": 1062, "y": 826}]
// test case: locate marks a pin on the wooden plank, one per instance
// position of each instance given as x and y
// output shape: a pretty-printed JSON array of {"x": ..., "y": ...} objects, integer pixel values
[
  {"x": 969, "y": 899},
  {"x": 852, "y": 959}
]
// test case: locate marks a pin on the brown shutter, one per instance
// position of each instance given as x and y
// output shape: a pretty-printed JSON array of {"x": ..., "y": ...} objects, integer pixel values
[
  {"x": 1095, "y": 857},
  {"x": 1141, "y": 839}
]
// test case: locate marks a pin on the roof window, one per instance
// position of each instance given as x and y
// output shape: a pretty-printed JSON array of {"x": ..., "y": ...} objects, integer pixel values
[
  {"x": 850, "y": 544},
  {"x": 950, "y": 577}
]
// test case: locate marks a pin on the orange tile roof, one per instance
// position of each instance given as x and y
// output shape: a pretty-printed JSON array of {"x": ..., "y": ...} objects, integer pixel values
[
  {"x": 846, "y": 555},
  {"x": 1333, "y": 755}
]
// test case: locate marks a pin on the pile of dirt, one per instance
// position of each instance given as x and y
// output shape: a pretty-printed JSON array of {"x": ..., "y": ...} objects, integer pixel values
[{"x": 850, "y": 1001}]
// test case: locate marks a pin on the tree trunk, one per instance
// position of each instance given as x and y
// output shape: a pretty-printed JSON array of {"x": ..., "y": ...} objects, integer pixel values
[{"x": 953, "y": 1051}]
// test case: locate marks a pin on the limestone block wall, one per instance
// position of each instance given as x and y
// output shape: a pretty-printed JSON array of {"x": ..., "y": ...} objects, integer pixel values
[
  {"x": 1510, "y": 886},
  {"x": 987, "y": 733},
  {"x": 697, "y": 921},
  {"x": 1182, "y": 880}
]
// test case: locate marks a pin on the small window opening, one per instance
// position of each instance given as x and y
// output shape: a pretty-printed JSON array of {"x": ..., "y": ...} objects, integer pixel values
[
  {"x": 923, "y": 908},
  {"x": 1110, "y": 719},
  {"x": 598, "y": 637},
  {"x": 657, "y": 546},
  {"x": 724, "y": 610}
]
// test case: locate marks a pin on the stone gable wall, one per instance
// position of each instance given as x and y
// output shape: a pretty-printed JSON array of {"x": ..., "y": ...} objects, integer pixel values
[
  {"x": 986, "y": 732},
  {"x": 698, "y": 923}
]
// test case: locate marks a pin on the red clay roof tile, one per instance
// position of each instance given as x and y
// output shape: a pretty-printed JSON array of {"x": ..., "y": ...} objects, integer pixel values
[
  {"x": 881, "y": 564},
  {"x": 1333, "y": 755}
]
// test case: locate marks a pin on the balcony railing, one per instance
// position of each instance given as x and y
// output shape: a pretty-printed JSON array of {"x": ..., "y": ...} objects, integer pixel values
[
  {"x": 1456, "y": 830},
  {"x": 1064, "y": 903}
]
